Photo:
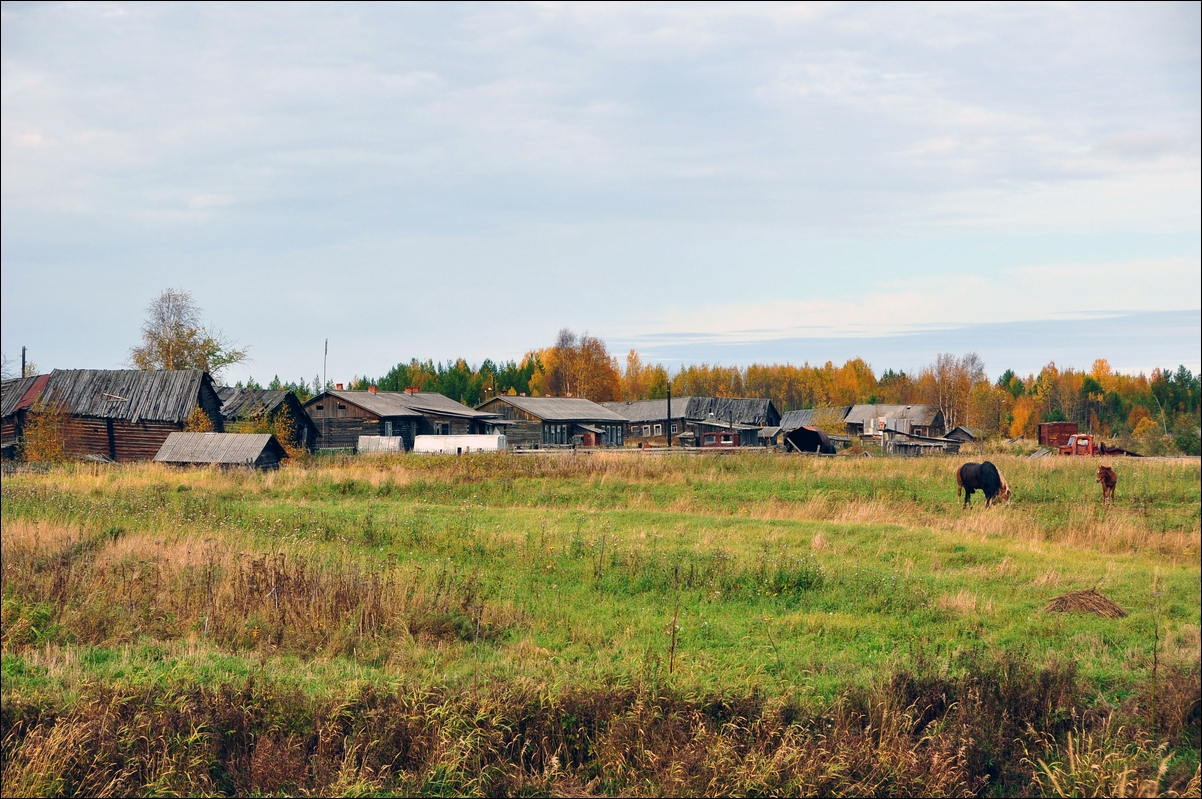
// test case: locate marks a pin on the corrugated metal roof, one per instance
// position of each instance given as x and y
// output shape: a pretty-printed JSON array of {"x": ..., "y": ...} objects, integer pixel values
[
  {"x": 242, "y": 403},
  {"x": 131, "y": 394},
  {"x": 917, "y": 414},
  {"x": 808, "y": 417},
  {"x": 20, "y": 393},
  {"x": 229, "y": 449},
  {"x": 563, "y": 409},
  {"x": 655, "y": 410},
  {"x": 398, "y": 403}
]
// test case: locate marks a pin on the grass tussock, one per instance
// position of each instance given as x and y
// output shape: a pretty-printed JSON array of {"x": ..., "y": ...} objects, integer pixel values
[{"x": 65, "y": 585}]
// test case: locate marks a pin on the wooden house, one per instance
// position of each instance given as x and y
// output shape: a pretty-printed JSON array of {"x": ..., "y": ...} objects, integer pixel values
[
  {"x": 869, "y": 421},
  {"x": 648, "y": 422},
  {"x": 127, "y": 414},
  {"x": 16, "y": 398},
  {"x": 340, "y": 417},
  {"x": 240, "y": 406},
  {"x": 535, "y": 422},
  {"x": 256, "y": 450}
]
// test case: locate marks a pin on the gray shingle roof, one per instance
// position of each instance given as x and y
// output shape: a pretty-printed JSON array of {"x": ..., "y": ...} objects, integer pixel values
[
  {"x": 563, "y": 409},
  {"x": 752, "y": 411},
  {"x": 655, "y": 410},
  {"x": 399, "y": 403},
  {"x": 917, "y": 414},
  {"x": 809, "y": 417},
  {"x": 131, "y": 394},
  {"x": 748, "y": 411},
  {"x": 228, "y": 449},
  {"x": 241, "y": 403}
]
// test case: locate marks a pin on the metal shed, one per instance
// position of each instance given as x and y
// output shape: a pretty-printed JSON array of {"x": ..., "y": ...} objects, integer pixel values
[{"x": 260, "y": 450}]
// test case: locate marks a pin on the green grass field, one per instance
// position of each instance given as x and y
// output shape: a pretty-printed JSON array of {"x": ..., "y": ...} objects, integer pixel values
[{"x": 607, "y": 623}]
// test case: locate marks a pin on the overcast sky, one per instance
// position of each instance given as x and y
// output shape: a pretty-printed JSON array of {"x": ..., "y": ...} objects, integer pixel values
[{"x": 721, "y": 183}]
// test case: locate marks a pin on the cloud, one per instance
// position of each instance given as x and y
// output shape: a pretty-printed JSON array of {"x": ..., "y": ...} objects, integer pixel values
[{"x": 634, "y": 169}]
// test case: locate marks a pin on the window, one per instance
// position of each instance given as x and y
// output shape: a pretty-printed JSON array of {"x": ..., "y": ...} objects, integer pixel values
[
  {"x": 709, "y": 439},
  {"x": 444, "y": 429},
  {"x": 674, "y": 430},
  {"x": 388, "y": 428},
  {"x": 646, "y": 429},
  {"x": 321, "y": 407},
  {"x": 659, "y": 429},
  {"x": 341, "y": 407}
]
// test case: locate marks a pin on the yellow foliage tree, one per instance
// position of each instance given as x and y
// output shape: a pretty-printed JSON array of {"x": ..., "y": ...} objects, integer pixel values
[
  {"x": 43, "y": 435},
  {"x": 198, "y": 421}
]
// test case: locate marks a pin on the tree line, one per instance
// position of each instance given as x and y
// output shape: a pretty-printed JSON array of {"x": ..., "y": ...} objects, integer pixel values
[{"x": 1161, "y": 409}]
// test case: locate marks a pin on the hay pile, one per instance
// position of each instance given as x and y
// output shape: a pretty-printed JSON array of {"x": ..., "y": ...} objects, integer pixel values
[{"x": 1089, "y": 601}]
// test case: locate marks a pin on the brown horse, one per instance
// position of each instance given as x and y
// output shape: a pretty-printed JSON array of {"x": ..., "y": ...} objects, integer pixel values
[{"x": 1109, "y": 479}]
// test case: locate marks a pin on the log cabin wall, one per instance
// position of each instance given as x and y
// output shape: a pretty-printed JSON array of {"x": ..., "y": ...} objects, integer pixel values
[
  {"x": 118, "y": 439},
  {"x": 343, "y": 433},
  {"x": 527, "y": 433}
]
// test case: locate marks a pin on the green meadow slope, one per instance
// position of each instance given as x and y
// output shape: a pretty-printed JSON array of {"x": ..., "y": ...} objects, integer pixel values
[{"x": 606, "y": 623}]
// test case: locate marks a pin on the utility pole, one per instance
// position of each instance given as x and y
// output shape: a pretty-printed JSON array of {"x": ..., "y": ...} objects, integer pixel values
[
  {"x": 22, "y": 360},
  {"x": 325, "y": 360},
  {"x": 668, "y": 421}
]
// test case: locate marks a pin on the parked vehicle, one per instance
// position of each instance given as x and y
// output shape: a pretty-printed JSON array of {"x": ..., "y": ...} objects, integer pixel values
[{"x": 1079, "y": 444}]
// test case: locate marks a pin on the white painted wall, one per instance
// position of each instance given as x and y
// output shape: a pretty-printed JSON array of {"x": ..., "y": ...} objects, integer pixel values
[{"x": 455, "y": 445}]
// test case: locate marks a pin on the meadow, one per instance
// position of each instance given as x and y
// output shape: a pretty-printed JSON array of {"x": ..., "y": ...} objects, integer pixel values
[{"x": 607, "y": 623}]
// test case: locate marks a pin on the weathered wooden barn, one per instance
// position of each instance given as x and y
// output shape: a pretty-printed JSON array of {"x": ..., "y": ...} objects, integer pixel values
[
  {"x": 127, "y": 414},
  {"x": 340, "y": 417},
  {"x": 16, "y": 398},
  {"x": 534, "y": 422},
  {"x": 256, "y": 450},
  {"x": 871, "y": 420},
  {"x": 241, "y": 406}
]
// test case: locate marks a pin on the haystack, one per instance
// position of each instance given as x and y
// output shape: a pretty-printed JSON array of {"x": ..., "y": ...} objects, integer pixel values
[{"x": 1088, "y": 601}]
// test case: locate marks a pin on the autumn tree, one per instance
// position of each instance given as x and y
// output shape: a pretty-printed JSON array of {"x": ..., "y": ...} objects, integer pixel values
[
  {"x": 174, "y": 337},
  {"x": 947, "y": 384},
  {"x": 579, "y": 366}
]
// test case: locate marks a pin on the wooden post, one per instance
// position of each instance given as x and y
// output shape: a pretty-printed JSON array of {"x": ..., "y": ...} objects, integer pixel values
[{"x": 668, "y": 421}]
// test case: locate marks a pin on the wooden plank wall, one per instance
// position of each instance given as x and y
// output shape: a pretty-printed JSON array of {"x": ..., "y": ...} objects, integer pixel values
[
  {"x": 127, "y": 441},
  {"x": 335, "y": 433}
]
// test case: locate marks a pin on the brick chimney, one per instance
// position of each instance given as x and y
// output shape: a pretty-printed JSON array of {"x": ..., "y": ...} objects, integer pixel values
[
  {"x": 338, "y": 386},
  {"x": 372, "y": 389}
]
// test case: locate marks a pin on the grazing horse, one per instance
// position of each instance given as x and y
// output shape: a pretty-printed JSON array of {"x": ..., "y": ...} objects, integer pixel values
[
  {"x": 1108, "y": 479},
  {"x": 984, "y": 477}
]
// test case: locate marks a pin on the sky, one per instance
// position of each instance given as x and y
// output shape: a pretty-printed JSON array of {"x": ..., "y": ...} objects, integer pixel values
[{"x": 705, "y": 183}]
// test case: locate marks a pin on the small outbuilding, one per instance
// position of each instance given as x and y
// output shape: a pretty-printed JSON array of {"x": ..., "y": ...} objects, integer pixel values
[
  {"x": 257, "y": 450},
  {"x": 964, "y": 434},
  {"x": 241, "y": 406}
]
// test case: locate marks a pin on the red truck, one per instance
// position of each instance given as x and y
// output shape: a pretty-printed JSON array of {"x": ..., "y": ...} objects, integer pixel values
[{"x": 1080, "y": 444}]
